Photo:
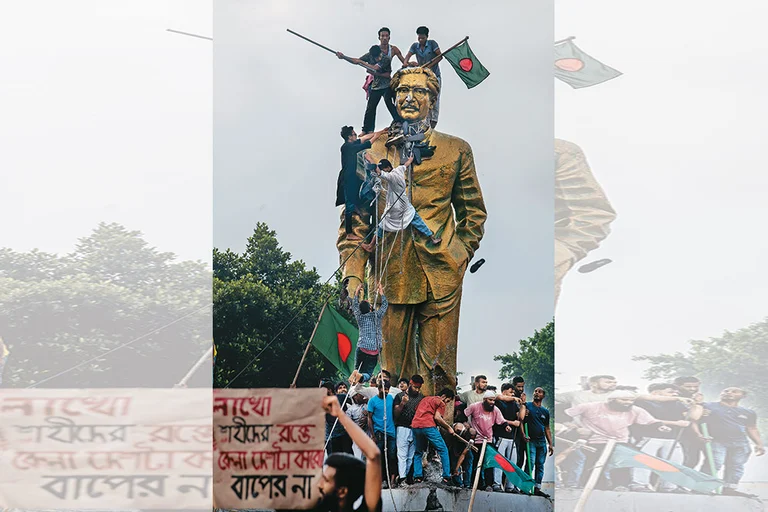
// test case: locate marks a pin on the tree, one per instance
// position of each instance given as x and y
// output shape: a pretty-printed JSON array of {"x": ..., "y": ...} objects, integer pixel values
[
  {"x": 113, "y": 292},
  {"x": 734, "y": 359},
  {"x": 264, "y": 308},
  {"x": 535, "y": 361}
]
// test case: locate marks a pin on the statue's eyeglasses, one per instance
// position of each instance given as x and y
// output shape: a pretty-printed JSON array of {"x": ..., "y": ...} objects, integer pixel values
[{"x": 416, "y": 91}]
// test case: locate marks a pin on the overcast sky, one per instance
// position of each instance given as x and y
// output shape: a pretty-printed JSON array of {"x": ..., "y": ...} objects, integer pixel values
[
  {"x": 106, "y": 117},
  {"x": 677, "y": 144},
  {"x": 279, "y": 103}
]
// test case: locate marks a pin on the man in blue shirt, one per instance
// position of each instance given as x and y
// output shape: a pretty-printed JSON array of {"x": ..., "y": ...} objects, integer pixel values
[
  {"x": 730, "y": 427},
  {"x": 378, "y": 406},
  {"x": 539, "y": 436},
  {"x": 425, "y": 50}
]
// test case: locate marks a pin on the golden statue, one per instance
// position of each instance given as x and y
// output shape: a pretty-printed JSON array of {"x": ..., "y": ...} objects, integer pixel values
[
  {"x": 422, "y": 280},
  {"x": 582, "y": 212}
]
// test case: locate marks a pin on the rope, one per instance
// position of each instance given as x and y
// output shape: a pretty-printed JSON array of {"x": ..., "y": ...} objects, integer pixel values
[{"x": 301, "y": 308}]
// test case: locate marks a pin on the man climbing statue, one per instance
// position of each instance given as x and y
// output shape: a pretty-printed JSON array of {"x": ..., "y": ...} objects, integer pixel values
[{"x": 423, "y": 280}]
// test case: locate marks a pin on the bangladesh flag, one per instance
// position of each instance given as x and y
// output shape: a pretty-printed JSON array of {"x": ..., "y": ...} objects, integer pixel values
[
  {"x": 578, "y": 69},
  {"x": 626, "y": 457},
  {"x": 515, "y": 475},
  {"x": 466, "y": 65},
  {"x": 336, "y": 339}
]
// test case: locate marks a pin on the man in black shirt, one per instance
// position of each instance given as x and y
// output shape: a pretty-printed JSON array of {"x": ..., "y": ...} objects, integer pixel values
[
  {"x": 689, "y": 387},
  {"x": 660, "y": 443},
  {"x": 405, "y": 405},
  {"x": 349, "y": 179},
  {"x": 506, "y": 440},
  {"x": 347, "y": 483}
]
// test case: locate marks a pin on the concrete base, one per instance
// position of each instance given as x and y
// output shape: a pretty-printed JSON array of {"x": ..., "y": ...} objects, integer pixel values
[
  {"x": 457, "y": 500},
  {"x": 609, "y": 501}
]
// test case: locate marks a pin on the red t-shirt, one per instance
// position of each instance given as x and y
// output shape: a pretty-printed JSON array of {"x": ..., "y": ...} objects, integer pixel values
[{"x": 425, "y": 412}]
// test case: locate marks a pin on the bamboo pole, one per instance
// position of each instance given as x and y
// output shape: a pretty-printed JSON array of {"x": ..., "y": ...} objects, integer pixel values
[
  {"x": 595, "y": 476},
  {"x": 348, "y": 59},
  {"x": 309, "y": 344},
  {"x": 183, "y": 382},
  {"x": 477, "y": 476},
  {"x": 442, "y": 54},
  {"x": 708, "y": 452}
]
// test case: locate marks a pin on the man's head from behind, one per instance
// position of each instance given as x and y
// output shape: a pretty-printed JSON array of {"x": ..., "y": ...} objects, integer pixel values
[
  {"x": 330, "y": 388},
  {"x": 365, "y": 307},
  {"x": 375, "y": 51},
  {"x": 663, "y": 389},
  {"x": 342, "y": 482},
  {"x": 602, "y": 383},
  {"x": 416, "y": 91}
]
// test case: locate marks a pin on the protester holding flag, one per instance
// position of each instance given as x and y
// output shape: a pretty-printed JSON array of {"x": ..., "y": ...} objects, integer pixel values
[
  {"x": 346, "y": 479},
  {"x": 482, "y": 417},
  {"x": 730, "y": 428}
]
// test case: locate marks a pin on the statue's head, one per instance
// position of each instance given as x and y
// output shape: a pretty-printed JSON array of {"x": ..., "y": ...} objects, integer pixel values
[{"x": 416, "y": 91}]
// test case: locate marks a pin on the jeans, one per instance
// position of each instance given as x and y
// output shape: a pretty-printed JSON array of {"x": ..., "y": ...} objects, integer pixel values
[
  {"x": 573, "y": 467},
  {"x": 422, "y": 436},
  {"x": 466, "y": 468},
  {"x": 522, "y": 451},
  {"x": 734, "y": 455},
  {"x": 538, "y": 448},
  {"x": 656, "y": 447},
  {"x": 417, "y": 223},
  {"x": 505, "y": 448},
  {"x": 374, "y": 96},
  {"x": 368, "y": 363},
  {"x": 390, "y": 460},
  {"x": 405, "y": 450}
]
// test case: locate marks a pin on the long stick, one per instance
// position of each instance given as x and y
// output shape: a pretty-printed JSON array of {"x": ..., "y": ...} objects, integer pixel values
[
  {"x": 198, "y": 364},
  {"x": 309, "y": 343},
  {"x": 595, "y": 476},
  {"x": 328, "y": 49},
  {"x": 477, "y": 476},
  {"x": 565, "y": 40},
  {"x": 528, "y": 451},
  {"x": 708, "y": 452},
  {"x": 188, "y": 34},
  {"x": 433, "y": 61},
  {"x": 469, "y": 445}
]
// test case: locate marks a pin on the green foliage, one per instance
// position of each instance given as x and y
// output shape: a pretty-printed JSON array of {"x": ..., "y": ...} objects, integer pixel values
[
  {"x": 255, "y": 296},
  {"x": 734, "y": 359},
  {"x": 57, "y": 312},
  {"x": 535, "y": 361}
]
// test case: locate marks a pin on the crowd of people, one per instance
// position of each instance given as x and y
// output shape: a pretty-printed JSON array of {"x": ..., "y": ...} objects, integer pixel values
[
  {"x": 412, "y": 430},
  {"x": 671, "y": 421}
]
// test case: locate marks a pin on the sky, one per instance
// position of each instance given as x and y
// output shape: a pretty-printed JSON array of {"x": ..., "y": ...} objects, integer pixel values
[
  {"x": 677, "y": 145},
  {"x": 279, "y": 103},
  {"x": 106, "y": 118}
]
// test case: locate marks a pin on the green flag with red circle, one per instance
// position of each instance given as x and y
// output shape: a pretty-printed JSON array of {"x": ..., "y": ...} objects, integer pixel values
[
  {"x": 574, "y": 67},
  {"x": 515, "y": 475},
  {"x": 469, "y": 69},
  {"x": 336, "y": 339}
]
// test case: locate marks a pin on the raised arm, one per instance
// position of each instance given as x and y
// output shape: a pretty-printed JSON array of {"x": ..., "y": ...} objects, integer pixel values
[
  {"x": 372, "y": 494},
  {"x": 383, "y": 308}
]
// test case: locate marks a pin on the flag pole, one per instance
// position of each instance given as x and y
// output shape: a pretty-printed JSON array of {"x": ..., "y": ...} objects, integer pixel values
[
  {"x": 477, "y": 476},
  {"x": 309, "y": 344},
  {"x": 565, "y": 40},
  {"x": 183, "y": 382},
  {"x": 595, "y": 476},
  {"x": 434, "y": 61},
  {"x": 328, "y": 49}
]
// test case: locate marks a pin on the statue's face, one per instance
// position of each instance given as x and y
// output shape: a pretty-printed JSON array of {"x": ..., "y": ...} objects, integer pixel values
[{"x": 412, "y": 97}]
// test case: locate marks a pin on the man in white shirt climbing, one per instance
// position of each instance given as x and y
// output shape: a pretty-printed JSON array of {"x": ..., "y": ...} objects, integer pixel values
[{"x": 400, "y": 212}]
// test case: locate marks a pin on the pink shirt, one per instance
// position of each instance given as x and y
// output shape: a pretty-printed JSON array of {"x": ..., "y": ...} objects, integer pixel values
[
  {"x": 608, "y": 424},
  {"x": 483, "y": 421}
]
